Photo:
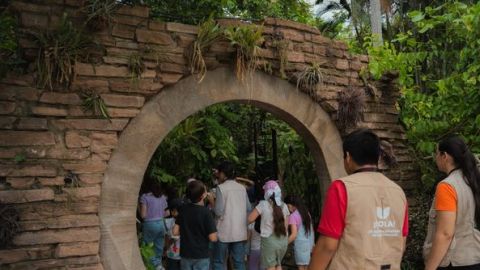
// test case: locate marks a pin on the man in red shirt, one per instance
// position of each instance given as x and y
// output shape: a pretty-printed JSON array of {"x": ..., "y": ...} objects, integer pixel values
[{"x": 362, "y": 212}]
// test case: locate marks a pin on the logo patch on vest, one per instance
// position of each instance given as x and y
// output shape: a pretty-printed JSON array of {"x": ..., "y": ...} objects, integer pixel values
[{"x": 383, "y": 226}]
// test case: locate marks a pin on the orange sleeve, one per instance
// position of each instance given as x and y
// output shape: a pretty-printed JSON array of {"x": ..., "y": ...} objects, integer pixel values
[{"x": 445, "y": 198}]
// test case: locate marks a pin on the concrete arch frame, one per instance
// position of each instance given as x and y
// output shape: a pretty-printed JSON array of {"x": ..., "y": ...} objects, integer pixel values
[{"x": 138, "y": 142}]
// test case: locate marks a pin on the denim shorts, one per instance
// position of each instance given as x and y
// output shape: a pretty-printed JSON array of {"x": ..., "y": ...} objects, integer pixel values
[{"x": 302, "y": 250}]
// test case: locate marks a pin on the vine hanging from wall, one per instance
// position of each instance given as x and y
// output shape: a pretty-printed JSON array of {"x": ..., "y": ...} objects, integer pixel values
[{"x": 208, "y": 33}]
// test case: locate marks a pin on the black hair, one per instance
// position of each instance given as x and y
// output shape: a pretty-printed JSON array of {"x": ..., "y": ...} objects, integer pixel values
[
  {"x": 302, "y": 209},
  {"x": 227, "y": 168},
  {"x": 156, "y": 188},
  {"x": 464, "y": 160},
  {"x": 195, "y": 190},
  {"x": 363, "y": 146},
  {"x": 278, "y": 218}
]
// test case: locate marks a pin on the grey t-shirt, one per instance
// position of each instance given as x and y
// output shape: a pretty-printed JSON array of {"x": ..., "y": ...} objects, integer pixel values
[{"x": 266, "y": 212}]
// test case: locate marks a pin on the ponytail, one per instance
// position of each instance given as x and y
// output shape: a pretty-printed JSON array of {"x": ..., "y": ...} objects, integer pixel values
[
  {"x": 278, "y": 218},
  {"x": 466, "y": 161}
]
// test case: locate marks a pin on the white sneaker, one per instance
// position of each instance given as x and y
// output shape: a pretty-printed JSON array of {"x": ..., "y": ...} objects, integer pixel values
[{"x": 159, "y": 267}]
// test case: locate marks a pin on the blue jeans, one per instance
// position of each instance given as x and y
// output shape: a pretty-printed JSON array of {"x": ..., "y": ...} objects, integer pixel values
[
  {"x": 235, "y": 249},
  {"x": 194, "y": 264},
  {"x": 154, "y": 232}
]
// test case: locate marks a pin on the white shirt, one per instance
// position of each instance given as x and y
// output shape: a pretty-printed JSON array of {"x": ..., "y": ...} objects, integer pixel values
[{"x": 266, "y": 212}]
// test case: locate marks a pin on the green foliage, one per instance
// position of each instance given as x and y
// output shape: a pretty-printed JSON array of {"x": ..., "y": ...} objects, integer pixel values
[
  {"x": 246, "y": 39},
  {"x": 94, "y": 103},
  {"x": 438, "y": 64},
  {"x": 9, "y": 50},
  {"x": 58, "y": 51},
  {"x": 187, "y": 11},
  {"x": 228, "y": 132},
  {"x": 208, "y": 32},
  {"x": 19, "y": 158},
  {"x": 194, "y": 147},
  {"x": 147, "y": 251},
  {"x": 295, "y": 10}
]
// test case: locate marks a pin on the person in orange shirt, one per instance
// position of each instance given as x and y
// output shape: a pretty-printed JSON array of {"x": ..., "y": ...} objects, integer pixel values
[{"x": 453, "y": 237}]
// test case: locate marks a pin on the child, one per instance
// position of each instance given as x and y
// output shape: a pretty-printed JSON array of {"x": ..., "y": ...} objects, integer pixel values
[
  {"x": 197, "y": 228},
  {"x": 173, "y": 251},
  {"x": 301, "y": 229},
  {"x": 273, "y": 227},
  {"x": 254, "y": 243},
  {"x": 152, "y": 211}
]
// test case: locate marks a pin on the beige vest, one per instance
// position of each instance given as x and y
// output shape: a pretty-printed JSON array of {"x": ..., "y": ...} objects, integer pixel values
[
  {"x": 372, "y": 238},
  {"x": 232, "y": 225},
  {"x": 465, "y": 246}
]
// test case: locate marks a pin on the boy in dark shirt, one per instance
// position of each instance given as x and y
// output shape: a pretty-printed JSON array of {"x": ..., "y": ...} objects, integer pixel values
[{"x": 197, "y": 227}]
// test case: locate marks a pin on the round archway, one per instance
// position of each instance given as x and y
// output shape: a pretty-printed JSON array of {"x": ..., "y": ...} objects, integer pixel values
[{"x": 123, "y": 178}]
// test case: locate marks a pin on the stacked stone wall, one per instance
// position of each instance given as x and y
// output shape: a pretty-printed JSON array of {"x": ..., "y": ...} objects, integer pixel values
[{"x": 47, "y": 138}]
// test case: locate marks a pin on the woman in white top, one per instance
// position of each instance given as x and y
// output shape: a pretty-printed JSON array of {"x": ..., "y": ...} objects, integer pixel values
[{"x": 273, "y": 229}]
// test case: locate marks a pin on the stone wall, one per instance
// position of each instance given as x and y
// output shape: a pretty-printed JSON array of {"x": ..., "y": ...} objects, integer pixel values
[{"x": 46, "y": 134}]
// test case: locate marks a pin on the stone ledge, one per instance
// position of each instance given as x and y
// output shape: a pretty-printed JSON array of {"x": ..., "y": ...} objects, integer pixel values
[
  {"x": 181, "y": 28},
  {"x": 27, "y": 170},
  {"x": 81, "y": 262},
  {"x": 147, "y": 36},
  {"x": 137, "y": 11},
  {"x": 91, "y": 124},
  {"x": 23, "y": 196},
  {"x": 69, "y": 221},
  {"x": 32, "y": 124},
  {"x": 291, "y": 24},
  {"x": 57, "y": 236},
  {"x": 123, "y": 100},
  {"x": 60, "y": 98},
  {"x": 49, "y": 111},
  {"x": 86, "y": 167},
  {"x": 17, "y": 138},
  {"x": 26, "y": 254},
  {"x": 77, "y": 249}
]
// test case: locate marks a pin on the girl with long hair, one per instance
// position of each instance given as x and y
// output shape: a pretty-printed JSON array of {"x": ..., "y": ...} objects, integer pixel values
[
  {"x": 273, "y": 228},
  {"x": 152, "y": 211},
  {"x": 301, "y": 231},
  {"x": 453, "y": 237}
]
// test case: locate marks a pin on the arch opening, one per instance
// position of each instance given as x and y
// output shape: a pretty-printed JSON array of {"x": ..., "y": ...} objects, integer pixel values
[{"x": 123, "y": 178}]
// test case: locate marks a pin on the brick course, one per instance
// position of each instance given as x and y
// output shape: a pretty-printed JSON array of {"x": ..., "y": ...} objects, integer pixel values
[{"x": 60, "y": 226}]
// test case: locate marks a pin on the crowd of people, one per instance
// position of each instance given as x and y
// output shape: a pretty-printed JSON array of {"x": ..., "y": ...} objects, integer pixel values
[{"x": 363, "y": 224}]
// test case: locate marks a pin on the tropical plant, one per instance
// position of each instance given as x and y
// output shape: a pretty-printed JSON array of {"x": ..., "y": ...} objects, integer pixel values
[
  {"x": 438, "y": 76},
  {"x": 208, "y": 33},
  {"x": 147, "y": 251},
  {"x": 136, "y": 67},
  {"x": 351, "y": 103},
  {"x": 309, "y": 78},
  {"x": 94, "y": 103},
  {"x": 58, "y": 52},
  {"x": 100, "y": 13},
  {"x": 246, "y": 39}
]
